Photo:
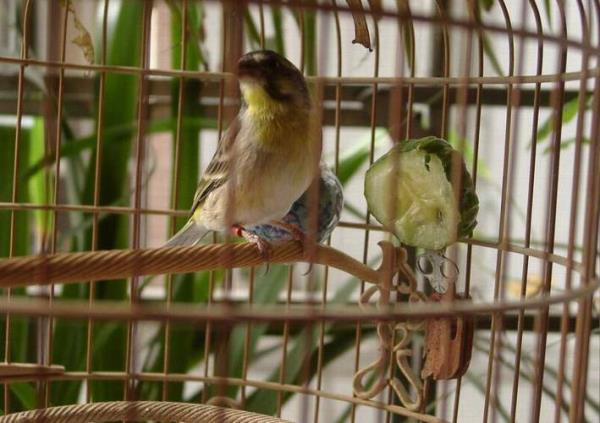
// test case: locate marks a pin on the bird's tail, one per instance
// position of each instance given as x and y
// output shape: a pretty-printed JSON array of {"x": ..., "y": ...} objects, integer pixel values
[{"x": 190, "y": 234}]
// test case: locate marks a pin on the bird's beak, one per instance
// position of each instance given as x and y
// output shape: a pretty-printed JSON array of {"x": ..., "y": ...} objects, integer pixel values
[{"x": 248, "y": 69}]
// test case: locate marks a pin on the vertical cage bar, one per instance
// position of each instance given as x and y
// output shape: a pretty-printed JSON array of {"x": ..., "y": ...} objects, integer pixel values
[
  {"x": 413, "y": 69},
  {"x": 15, "y": 181},
  {"x": 208, "y": 330},
  {"x": 247, "y": 336},
  {"x": 439, "y": 112},
  {"x": 396, "y": 121},
  {"x": 97, "y": 176},
  {"x": 175, "y": 191},
  {"x": 477, "y": 126},
  {"x": 529, "y": 215},
  {"x": 462, "y": 103},
  {"x": 495, "y": 354},
  {"x": 581, "y": 106},
  {"x": 442, "y": 11},
  {"x": 550, "y": 229},
  {"x": 142, "y": 117},
  {"x": 365, "y": 257},
  {"x": 590, "y": 249},
  {"x": 286, "y": 335},
  {"x": 338, "y": 39},
  {"x": 46, "y": 324}
]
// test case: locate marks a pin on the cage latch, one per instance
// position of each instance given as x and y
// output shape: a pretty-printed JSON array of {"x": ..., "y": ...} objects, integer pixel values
[{"x": 448, "y": 344}]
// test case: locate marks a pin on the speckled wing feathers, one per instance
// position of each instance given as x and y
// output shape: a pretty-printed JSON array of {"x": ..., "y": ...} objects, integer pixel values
[{"x": 215, "y": 174}]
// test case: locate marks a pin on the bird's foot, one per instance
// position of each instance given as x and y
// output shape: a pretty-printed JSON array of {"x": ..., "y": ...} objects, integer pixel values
[
  {"x": 264, "y": 248},
  {"x": 298, "y": 235},
  {"x": 294, "y": 230}
]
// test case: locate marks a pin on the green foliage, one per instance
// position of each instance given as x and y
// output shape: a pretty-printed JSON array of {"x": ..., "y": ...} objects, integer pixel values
[
  {"x": 7, "y": 154},
  {"x": 353, "y": 159},
  {"x": 277, "y": 19},
  {"x": 302, "y": 355},
  {"x": 266, "y": 291},
  {"x": 120, "y": 110},
  {"x": 465, "y": 147},
  {"x": 188, "y": 287},
  {"x": 21, "y": 330},
  {"x": 25, "y": 394},
  {"x": 76, "y": 147},
  {"x": 570, "y": 110},
  {"x": 277, "y": 41},
  {"x": 408, "y": 33},
  {"x": 486, "y": 4}
]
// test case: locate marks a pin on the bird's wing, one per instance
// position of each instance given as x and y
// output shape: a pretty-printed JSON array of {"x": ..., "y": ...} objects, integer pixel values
[{"x": 216, "y": 173}]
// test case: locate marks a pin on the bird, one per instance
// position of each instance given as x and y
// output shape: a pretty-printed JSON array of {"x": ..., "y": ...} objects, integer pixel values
[
  {"x": 330, "y": 204},
  {"x": 266, "y": 159}
]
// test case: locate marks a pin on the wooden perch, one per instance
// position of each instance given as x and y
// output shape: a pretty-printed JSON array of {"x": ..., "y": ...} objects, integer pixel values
[{"x": 118, "y": 264}]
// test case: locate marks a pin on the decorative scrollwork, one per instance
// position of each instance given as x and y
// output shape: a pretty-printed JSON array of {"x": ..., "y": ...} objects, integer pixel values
[
  {"x": 394, "y": 342},
  {"x": 394, "y": 345}
]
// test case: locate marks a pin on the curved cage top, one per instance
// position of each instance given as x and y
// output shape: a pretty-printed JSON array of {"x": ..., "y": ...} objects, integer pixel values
[{"x": 111, "y": 111}]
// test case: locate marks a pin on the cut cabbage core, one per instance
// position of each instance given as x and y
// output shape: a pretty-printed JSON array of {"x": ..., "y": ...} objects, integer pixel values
[{"x": 409, "y": 194}]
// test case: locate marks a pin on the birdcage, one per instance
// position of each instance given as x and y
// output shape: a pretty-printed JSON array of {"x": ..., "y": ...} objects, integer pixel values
[{"x": 111, "y": 110}]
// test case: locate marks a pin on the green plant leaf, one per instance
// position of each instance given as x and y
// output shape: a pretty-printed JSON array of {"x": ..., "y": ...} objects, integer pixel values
[
  {"x": 477, "y": 382},
  {"x": 21, "y": 328},
  {"x": 277, "y": 20},
  {"x": 569, "y": 111},
  {"x": 38, "y": 187},
  {"x": 196, "y": 59},
  {"x": 75, "y": 147},
  {"x": 465, "y": 147},
  {"x": 192, "y": 287},
  {"x": 266, "y": 291},
  {"x": 69, "y": 349},
  {"x": 567, "y": 142},
  {"x": 548, "y": 10},
  {"x": 488, "y": 49},
  {"x": 486, "y": 43},
  {"x": 120, "y": 108},
  {"x": 185, "y": 182},
  {"x": 345, "y": 415},
  {"x": 185, "y": 350},
  {"x": 408, "y": 33},
  {"x": 304, "y": 347},
  {"x": 26, "y": 394},
  {"x": 353, "y": 159},
  {"x": 306, "y": 21},
  {"x": 7, "y": 154},
  {"x": 529, "y": 358},
  {"x": 486, "y": 4},
  {"x": 303, "y": 352},
  {"x": 251, "y": 30},
  {"x": 353, "y": 210}
]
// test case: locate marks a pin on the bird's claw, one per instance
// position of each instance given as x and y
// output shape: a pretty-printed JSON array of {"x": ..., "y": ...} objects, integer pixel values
[
  {"x": 264, "y": 248},
  {"x": 295, "y": 231},
  {"x": 298, "y": 235}
]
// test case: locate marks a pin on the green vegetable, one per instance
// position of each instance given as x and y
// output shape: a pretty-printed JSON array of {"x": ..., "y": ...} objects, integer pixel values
[{"x": 414, "y": 192}]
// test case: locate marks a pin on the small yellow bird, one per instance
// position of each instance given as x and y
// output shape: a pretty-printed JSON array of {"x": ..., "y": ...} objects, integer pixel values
[{"x": 265, "y": 160}]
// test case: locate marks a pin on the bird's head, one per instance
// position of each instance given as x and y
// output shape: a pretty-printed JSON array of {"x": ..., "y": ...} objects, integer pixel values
[{"x": 270, "y": 82}]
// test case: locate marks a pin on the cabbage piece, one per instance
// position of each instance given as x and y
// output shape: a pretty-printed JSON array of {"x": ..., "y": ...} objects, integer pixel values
[{"x": 410, "y": 190}]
